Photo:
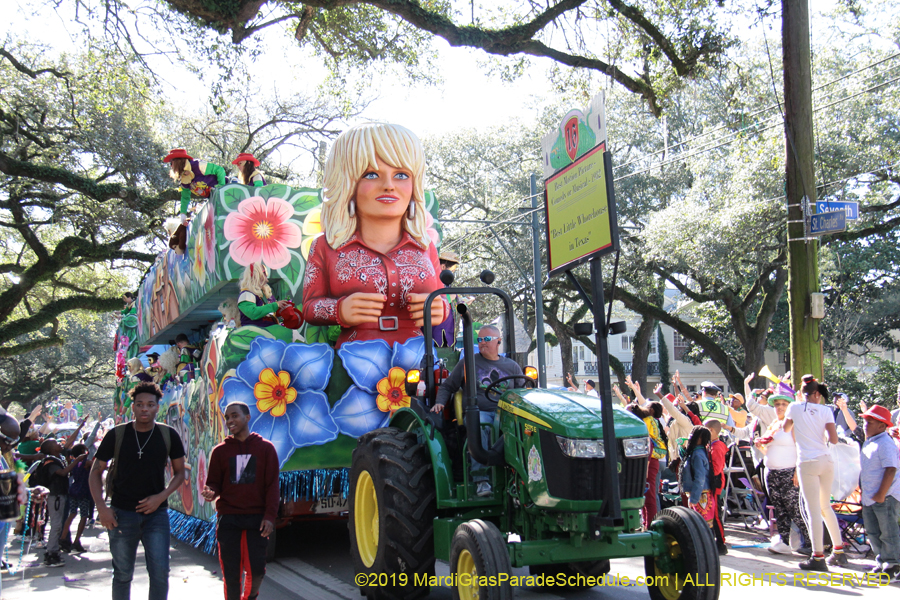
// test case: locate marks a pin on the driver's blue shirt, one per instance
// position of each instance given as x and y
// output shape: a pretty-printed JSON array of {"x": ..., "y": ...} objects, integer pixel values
[{"x": 486, "y": 372}]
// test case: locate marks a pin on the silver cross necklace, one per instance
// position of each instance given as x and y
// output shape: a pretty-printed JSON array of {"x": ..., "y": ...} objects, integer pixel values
[{"x": 144, "y": 445}]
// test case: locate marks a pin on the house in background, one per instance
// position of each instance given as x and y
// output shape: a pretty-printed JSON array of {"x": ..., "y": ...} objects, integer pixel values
[{"x": 620, "y": 346}]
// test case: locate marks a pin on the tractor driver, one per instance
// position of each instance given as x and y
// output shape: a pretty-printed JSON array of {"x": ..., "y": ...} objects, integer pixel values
[{"x": 489, "y": 367}]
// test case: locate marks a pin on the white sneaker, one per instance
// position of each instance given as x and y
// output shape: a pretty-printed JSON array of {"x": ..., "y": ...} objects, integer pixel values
[
  {"x": 483, "y": 489},
  {"x": 780, "y": 548}
]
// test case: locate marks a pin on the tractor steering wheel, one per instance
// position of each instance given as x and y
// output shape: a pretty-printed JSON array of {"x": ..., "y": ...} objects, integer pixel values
[{"x": 493, "y": 394}]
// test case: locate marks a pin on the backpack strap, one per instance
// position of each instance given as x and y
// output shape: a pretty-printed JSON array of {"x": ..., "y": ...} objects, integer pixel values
[
  {"x": 119, "y": 432},
  {"x": 167, "y": 437}
]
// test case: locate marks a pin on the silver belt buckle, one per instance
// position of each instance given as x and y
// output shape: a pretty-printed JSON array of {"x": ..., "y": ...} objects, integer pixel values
[{"x": 383, "y": 320}]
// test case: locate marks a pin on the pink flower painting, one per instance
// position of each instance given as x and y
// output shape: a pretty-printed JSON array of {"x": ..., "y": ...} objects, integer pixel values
[{"x": 260, "y": 230}]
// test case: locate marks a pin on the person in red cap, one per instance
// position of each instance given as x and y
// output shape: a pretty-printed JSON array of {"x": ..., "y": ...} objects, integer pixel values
[
  {"x": 195, "y": 176},
  {"x": 880, "y": 485},
  {"x": 248, "y": 173}
]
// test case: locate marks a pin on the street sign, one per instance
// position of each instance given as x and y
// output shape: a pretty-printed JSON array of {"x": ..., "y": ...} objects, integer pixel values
[
  {"x": 851, "y": 208},
  {"x": 830, "y": 222}
]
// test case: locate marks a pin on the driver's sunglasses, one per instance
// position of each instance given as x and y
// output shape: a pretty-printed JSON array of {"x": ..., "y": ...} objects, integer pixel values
[{"x": 487, "y": 338}]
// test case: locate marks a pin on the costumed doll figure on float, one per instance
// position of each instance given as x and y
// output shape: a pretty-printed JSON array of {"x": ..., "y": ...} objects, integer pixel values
[
  {"x": 248, "y": 170},
  {"x": 376, "y": 264},
  {"x": 258, "y": 306},
  {"x": 196, "y": 177},
  {"x": 137, "y": 372}
]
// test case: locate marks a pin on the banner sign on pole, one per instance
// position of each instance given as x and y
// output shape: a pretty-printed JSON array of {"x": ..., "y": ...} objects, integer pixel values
[
  {"x": 581, "y": 212},
  {"x": 851, "y": 208},
  {"x": 829, "y": 222}
]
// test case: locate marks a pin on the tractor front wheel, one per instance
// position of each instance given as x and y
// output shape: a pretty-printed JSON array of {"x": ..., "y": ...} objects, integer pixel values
[
  {"x": 690, "y": 569},
  {"x": 477, "y": 558},
  {"x": 392, "y": 506}
]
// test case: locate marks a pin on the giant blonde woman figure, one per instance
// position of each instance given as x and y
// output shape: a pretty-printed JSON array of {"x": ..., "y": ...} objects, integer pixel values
[{"x": 376, "y": 264}]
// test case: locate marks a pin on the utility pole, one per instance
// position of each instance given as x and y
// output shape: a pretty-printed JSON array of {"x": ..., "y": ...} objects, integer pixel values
[
  {"x": 800, "y": 187},
  {"x": 538, "y": 284}
]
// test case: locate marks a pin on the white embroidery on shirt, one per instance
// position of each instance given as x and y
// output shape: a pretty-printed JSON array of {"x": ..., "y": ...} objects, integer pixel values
[{"x": 325, "y": 309}]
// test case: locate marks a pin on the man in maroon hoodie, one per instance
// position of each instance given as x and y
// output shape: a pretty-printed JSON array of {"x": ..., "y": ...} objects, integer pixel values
[{"x": 243, "y": 481}]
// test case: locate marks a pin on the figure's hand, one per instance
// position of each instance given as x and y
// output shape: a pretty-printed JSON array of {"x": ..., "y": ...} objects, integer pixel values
[
  {"x": 749, "y": 378},
  {"x": 266, "y": 528},
  {"x": 629, "y": 382},
  {"x": 361, "y": 307},
  {"x": 417, "y": 309},
  {"x": 208, "y": 494},
  {"x": 184, "y": 218},
  {"x": 796, "y": 480},
  {"x": 149, "y": 504},
  {"x": 658, "y": 390},
  {"x": 841, "y": 403},
  {"x": 36, "y": 412},
  {"x": 437, "y": 408},
  {"x": 107, "y": 516},
  {"x": 282, "y": 304}
]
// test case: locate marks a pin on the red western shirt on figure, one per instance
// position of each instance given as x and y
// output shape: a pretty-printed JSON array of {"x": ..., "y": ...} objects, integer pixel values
[{"x": 333, "y": 274}]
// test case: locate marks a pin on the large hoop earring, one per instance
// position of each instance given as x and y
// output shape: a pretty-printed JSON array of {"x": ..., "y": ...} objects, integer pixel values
[
  {"x": 412, "y": 210},
  {"x": 351, "y": 208}
]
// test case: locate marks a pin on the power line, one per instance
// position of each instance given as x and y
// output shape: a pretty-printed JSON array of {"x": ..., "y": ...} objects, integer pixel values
[
  {"x": 760, "y": 111},
  {"x": 731, "y": 138}
]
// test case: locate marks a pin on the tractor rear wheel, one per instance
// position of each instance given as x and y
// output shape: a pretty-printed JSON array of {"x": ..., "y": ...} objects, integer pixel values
[
  {"x": 477, "y": 551},
  {"x": 392, "y": 506},
  {"x": 694, "y": 571}
]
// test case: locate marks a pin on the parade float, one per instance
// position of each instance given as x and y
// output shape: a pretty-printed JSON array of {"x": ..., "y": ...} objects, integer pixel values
[{"x": 310, "y": 400}]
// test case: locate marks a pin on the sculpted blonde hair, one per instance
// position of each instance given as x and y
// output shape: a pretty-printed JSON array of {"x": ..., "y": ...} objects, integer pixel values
[
  {"x": 255, "y": 280},
  {"x": 353, "y": 153}
]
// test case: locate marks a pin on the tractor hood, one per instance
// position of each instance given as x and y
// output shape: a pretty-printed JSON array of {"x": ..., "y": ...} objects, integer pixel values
[{"x": 569, "y": 414}]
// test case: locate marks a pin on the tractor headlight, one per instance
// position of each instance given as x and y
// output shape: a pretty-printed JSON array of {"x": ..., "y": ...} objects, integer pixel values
[
  {"x": 636, "y": 447},
  {"x": 581, "y": 448}
]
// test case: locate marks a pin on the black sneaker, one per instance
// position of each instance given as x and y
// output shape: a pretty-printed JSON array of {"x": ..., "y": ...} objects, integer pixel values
[
  {"x": 894, "y": 572},
  {"x": 65, "y": 545},
  {"x": 814, "y": 564},
  {"x": 837, "y": 559},
  {"x": 77, "y": 547},
  {"x": 53, "y": 560},
  {"x": 723, "y": 549}
]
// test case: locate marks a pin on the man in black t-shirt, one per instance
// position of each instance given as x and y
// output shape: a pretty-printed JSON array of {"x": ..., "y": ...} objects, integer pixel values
[
  {"x": 56, "y": 472},
  {"x": 139, "y": 510}
]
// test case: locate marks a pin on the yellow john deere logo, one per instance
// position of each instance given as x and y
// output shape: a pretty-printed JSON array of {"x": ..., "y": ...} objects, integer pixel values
[{"x": 619, "y": 467}]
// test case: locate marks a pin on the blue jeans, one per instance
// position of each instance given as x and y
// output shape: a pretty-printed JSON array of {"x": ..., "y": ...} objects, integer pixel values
[
  {"x": 153, "y": 532},
  {"x": 4, "y": 534},
  {"x": 882, "y": 530},
  {"x": 486, "y": 417}
]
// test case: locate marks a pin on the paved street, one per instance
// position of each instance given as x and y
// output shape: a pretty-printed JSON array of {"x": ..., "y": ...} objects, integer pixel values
[{"x": 314, "y": 564}]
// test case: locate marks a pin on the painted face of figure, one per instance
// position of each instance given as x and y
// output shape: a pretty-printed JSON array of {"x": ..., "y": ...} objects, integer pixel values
[
  {"x": 384, "y": 193},
  {"x": 241, "y": 163}
]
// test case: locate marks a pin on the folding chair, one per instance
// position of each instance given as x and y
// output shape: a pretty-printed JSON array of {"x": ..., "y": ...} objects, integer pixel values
[{"x": 850, "y": 519}]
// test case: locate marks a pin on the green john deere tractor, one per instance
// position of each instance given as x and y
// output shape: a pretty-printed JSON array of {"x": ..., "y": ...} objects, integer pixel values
[{"x": 552, "y": 506}]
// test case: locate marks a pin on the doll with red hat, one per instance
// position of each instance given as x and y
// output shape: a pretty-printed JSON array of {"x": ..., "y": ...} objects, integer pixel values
[
  {"x": 196, "y": 177},
  {"x": 879, "y": 482},
  {"x": 248, "y": 170}
]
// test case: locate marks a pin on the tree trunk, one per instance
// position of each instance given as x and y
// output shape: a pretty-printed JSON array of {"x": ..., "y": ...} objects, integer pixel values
[{"x": 641, "y": 351}]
